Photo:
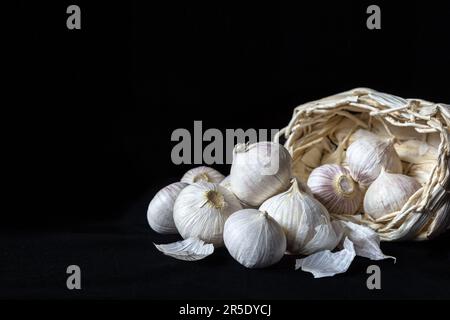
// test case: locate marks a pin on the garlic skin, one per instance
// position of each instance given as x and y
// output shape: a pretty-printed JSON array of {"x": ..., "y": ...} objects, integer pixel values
[
  {"x": 366, "y": 156},
  {"x": 160, "y": 209},
  {"x": 388, "y": 193},
  {"x": 259, "y": 171},
  {"x": 334, "y": 187},
  {"x": 305, "y": 220},
  {"x": 201, "y": 210},
  {"x": 202, "y": 174},
  {"x": 254, "y": 239}
]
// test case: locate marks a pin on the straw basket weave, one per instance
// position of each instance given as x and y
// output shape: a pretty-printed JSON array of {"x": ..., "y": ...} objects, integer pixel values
[{"x": 322, "y": 129}]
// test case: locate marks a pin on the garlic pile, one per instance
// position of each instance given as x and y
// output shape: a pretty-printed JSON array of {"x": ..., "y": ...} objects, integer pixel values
[
  {"x": 201, "y": 210},
  {"x": 254, "y": 239},
  {"x": 334, "y": 187},
  {"x": 259, "y": 171},
  {"x": 283, "y": 214},
  {"x": 366, "y": 156},
  {"x": 388, "y": 193},
  {"x": 304, "y": 220}
]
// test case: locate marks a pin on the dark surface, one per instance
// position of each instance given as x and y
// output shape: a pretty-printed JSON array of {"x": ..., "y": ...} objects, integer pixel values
[
  {"x": 92, "y": 111},
  {"x": 118, "y": 260}
]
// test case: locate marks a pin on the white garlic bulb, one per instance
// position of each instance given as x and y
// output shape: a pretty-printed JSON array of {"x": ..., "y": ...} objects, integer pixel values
[
  {"x": 160, "y": 209},
  {"x": 202, "y": 174},
  {"x": 422, "y": 171},
  {"x": 366, "y": 156},
  {"x": 415, "y": 151},
  {"x": 259, "y": 171},
  {"x": 254, "y": 239},
  {"x": 201, "y": 210},
  {"x": 334, "y": 187},
  {"x": 304, "y": 220},
  {"x": 226, "y": 183},
  {"x": 388, "y": 193}
]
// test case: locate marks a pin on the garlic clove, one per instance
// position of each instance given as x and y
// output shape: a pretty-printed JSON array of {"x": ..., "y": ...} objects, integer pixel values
[
  {"x": 191, "y": 249},
  {"x": 334, "y": 187},
  {"x": 303, "y": 219},
  {"x": 160, "y": 209},
  {"x": 203, "y": 173},
  {"x": 388, "y": 194},
  {"x": 201, "y": 210},
  {"x": 366, "y": 156},
  {"x": 260, "y": 171},
  {"x": 254, "y": 239}
]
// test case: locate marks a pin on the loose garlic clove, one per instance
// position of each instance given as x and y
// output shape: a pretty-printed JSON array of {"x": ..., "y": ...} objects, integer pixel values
[
  {"x": 201, "y": 210},
  {"x": 304, "y": 220},
  {"x": 160, "y": 209},
  {"x": 388, "y": 194},
  {"x": 366, "y": 156},
  {"x": 254, "y": 239},
  {"x": 334, "y": 187},
  {"x": 202, "y": 174},
  {"x": 259, "y": 171}
]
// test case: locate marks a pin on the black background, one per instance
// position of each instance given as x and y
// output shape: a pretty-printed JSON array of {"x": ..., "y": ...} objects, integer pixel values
[{"x": 92, "y": 112}]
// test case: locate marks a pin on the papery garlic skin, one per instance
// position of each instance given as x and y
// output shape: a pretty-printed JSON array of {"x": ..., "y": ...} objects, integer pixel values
[
  {"x": 160, "y": 209},
  {"x": 305, "y": 221},
  {"x": 389, "y": 193},
  {"x": 201, "y": 210},
  {"x": 260, "y": 171},
  {"x": 334, "y": 187},
  {"x": 366, "y": 157},
  {"x": 202, "y": 173},
  {"x": 254, "y": 239}
]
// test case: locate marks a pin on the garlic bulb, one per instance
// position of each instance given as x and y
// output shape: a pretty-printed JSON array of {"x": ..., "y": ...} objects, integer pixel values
[
  {"x": 415, "y": 151},
  {"x": 259, "y": 171},
  {"x": 201, "y": 210},
  {"x": 304, "y": 220},
  {"x": 388, "y": 193},
  {"x": 160, "y": 209},
  {"x": 366, "y": 156},
  {"x": 254, "y": 239},
  {"x": 226, "y": 183},
  {"x": 202, "y": 174},
  {"x": 422, "y": 171},
  {"x": 334, "y": 187}
]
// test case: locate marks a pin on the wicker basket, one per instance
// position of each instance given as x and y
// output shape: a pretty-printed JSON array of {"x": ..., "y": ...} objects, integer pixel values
[{"x": 323, "y": 128}]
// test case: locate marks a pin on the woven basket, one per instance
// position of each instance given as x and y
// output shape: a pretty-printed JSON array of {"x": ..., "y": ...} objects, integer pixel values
[{"x": 322, "y": 129}]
